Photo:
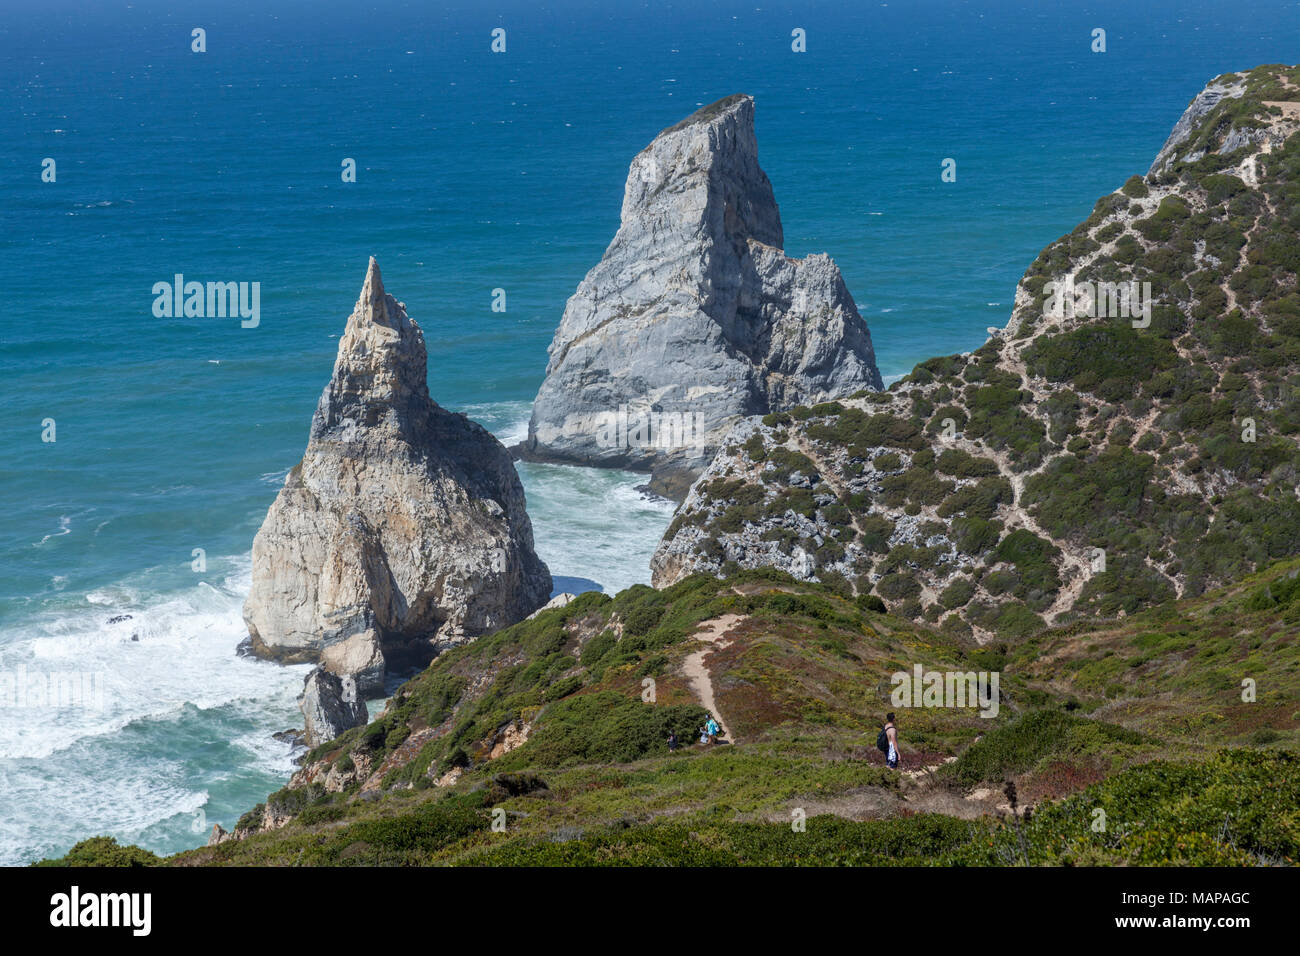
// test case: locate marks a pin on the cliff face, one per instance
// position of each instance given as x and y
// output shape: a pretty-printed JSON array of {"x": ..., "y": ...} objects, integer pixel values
[
  {"x": 1131, "y": 435},
  {"x": 403, "y": 530},
  {"x": 694, "y": 316},
  {"x": 328, "y": 709}
]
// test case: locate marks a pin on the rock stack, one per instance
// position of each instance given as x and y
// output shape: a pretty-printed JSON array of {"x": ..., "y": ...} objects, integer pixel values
[
  {"x": 402, "y": 531},
  {"x": 694, "y": 317}
]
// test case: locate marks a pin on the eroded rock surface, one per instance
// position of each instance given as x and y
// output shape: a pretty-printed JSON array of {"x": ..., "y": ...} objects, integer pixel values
[
  {"x": 402, "y": 531},
  {"x": 694, "y": 317}
]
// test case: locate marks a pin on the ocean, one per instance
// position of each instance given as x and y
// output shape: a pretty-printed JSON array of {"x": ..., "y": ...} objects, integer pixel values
[{"x": 476, "y": 171}]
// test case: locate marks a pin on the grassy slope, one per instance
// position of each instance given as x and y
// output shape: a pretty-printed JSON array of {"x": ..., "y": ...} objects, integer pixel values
[{"x": 1133, "y": 713}]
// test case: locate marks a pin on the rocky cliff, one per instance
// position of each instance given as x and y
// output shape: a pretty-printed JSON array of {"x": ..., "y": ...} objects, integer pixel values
[
  {"x": 403, "y": 530},
  {"x": 694, "y": 316},
  {"x": 1130, "y": 436},
  {"x": 330, "y": 706}
]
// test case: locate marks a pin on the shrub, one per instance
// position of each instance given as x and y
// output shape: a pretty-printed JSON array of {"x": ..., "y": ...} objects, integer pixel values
[
  {"x": 642, "y": 619},
  {"x": 1026, "y": 741},
  {"x": 897, "y": 586},
  {"x": 859, "y": 432},
  {"x": 958, "y": 593},
  {"x": 606, "y": 727},
  {"x": 1035, "y": 559},
  {"x": 916, "y": 485},
  {"x": 598, "y": 647},
  {"x": 974, "y": 535},
  {"x": 870, "y": 602},
  {"x": 104, "y": 851},
  {"x": 1136, "y": 188},
  {"x": 1110, "y": 361},
  {"x": 979, "y": 500}
]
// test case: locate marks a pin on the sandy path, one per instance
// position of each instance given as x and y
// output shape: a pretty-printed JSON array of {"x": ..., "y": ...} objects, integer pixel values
[{"x": 697, "y": 674}]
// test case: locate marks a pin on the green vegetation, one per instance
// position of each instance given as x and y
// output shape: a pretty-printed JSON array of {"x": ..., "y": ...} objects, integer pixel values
[
  {"x": 607, "y": 726},
  {"x": 1110, "y": 361},
  {"x": 955, "y": 462},
  {"x": 1135, "y": 188},
  {"x": 803, "y": 686},
  {"x": 861, "y": 433},
  {"x": 104, "y": 851},
  {"x": 1035, "y": 739}
]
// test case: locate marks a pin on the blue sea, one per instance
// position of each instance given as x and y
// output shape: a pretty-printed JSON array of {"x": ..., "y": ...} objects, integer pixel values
[{"x": 475, "y": 171}]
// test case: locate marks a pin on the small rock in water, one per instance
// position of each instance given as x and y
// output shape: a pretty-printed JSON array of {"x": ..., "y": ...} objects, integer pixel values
[
  {"x": 119, "y": 618},
  {"x": 295, "y": 738}
]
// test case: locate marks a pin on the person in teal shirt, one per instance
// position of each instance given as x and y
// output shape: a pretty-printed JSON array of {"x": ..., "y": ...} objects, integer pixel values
[{"x": 711, "y": 729}]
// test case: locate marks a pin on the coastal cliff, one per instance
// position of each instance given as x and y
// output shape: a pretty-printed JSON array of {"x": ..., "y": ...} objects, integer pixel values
[
  {"x": 694, "y": 316},
  {"x": 1129, "y": 437},
  {"x": 402, "y": 531}
]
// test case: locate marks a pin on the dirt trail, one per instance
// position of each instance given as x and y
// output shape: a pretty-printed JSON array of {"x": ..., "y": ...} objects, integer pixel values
[
  {"x": 697, "y": 674},
  {"x": 920, "y": 791}
]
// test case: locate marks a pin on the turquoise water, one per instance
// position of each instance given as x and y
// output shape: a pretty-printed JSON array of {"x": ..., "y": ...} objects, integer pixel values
[{"x": 475, "y": 171}]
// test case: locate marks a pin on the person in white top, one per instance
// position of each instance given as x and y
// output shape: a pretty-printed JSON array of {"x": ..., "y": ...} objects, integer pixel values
[{"x": 891, "y": 732}]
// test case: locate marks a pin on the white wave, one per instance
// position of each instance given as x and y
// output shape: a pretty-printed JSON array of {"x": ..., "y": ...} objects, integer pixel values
[
  {"x": 65, "y": 527},
  {"x": 161, "y": 654},
  {"x": 593, "y": 523},
  {"x": 508, "y": 421},
  {"x": 268, "y": 754},
  {"x": 110, "y": 800}
]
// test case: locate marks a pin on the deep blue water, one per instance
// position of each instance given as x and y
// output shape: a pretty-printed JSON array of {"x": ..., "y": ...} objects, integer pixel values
[{"x": 475, "y": 171}]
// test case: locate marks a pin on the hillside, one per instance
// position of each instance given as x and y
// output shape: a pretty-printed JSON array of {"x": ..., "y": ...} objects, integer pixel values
[
  {"x": 1093, "y": 457},
  {"x": 547, "y": 722}
]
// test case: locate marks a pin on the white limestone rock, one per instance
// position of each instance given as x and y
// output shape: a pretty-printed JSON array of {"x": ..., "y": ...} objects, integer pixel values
[{"x": 402, "y": 531}]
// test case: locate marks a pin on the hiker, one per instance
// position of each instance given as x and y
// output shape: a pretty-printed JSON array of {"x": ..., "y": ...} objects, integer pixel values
[
  {"x": 887, "y": 741},
  {"x": 672, "y": 740},
  {"x": 711, "y": 730}
]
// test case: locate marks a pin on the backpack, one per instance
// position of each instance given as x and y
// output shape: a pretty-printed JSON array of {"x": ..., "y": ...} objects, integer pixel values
[{"x": 882, "y": 741}]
